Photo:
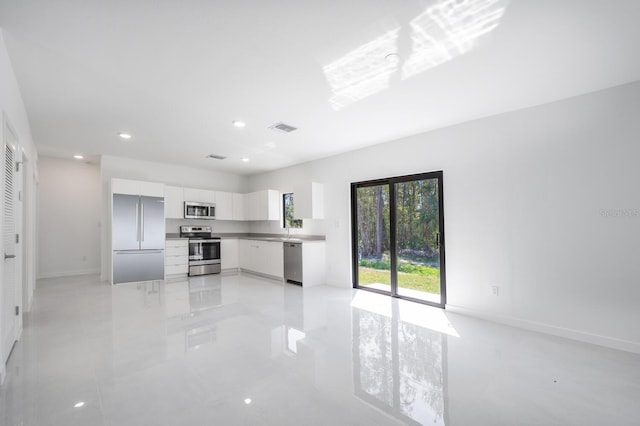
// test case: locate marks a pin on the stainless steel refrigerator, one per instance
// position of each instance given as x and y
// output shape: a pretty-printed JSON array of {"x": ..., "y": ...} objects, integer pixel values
[{"x": 138, "y": 236}]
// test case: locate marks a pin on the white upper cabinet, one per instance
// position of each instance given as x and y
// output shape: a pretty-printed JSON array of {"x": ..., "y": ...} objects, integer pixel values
[
  {"x": 238, "y": 206},
  {"x": 199, "y": 195},
  {"x": 137, "y": 187},
  {"x": 224, "y": 205},
  {"x": 262, "y": 205},
  {"x": 259, "y": 205},
  {"x": 173, "y": 202},
  {"x": 308, "y": 200}
]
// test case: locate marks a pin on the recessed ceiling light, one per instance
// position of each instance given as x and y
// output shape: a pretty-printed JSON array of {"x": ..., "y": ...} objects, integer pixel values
[
  {"x": 244, "y": 159},
  {"x": 239, "y": 123},
  {"x": 124, "y": 135},
  {"x": 247, "y": 401},
  {"x": 78, "y": 404},
  {"x": 78, "y": 157}
]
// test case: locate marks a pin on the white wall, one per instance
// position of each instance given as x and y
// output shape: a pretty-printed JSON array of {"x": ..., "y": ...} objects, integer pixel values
[
  {"x": 542, "y": 202},
  {"x": 169, "y": 174},
  {"x": 12, "y": 105},
  {"x": 69, "y": 218}
]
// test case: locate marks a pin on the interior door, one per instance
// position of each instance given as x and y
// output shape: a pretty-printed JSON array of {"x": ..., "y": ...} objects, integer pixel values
[{"x": 9, "y": 323}]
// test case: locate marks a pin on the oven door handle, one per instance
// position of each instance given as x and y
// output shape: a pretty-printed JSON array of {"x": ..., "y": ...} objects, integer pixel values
[{"x": 213, "y": 240}]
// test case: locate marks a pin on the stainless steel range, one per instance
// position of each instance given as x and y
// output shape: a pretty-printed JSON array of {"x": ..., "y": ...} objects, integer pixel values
[{"x": 204, "y": 250}]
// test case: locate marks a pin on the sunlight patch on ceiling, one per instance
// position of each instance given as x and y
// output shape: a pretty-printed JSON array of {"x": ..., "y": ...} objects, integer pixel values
[
  {"x": 445, "y": 30},
  {"x": 448, "y": 29},
  {"x": 363, "y": 71}
]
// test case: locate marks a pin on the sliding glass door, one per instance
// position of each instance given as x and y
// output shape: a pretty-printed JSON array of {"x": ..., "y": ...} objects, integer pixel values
[
  {"x": 398, "y": 235},
  {"x": 374, "y": 237}
]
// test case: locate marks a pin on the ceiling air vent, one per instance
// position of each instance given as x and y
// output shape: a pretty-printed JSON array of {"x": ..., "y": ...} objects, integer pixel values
[
  {"x": 216, "y": 157},
  {"x": 284, "y": 128}
]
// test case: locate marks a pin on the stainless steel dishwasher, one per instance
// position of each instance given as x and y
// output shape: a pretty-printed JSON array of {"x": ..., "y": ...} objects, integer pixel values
[{"x": 293, "y": 262}]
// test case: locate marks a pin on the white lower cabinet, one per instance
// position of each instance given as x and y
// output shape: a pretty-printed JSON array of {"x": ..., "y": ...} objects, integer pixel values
[
  {"x": 271, "y": 260},
  {"x": 176, "y": 257},
  {"x": 248, "y": 254},
  {"x": 263, "y": 257},
  {"x": 229, "y": 253},
  {"x": 313, "y": 263}
]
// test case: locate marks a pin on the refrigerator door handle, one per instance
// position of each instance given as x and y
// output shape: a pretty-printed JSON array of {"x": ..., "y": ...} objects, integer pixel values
[
  {"x": 142, "y": 220},
  {"x": 137, "y": 223}
]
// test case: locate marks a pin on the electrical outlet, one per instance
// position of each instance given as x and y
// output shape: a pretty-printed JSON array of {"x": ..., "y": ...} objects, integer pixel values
[{"x": 495, "y": 290}]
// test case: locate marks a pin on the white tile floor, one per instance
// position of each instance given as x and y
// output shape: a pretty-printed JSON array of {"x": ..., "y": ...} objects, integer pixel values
[{"x": 239, "y": 350}]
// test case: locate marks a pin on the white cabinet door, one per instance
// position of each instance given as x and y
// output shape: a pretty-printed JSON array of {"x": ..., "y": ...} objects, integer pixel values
[
  {"x": 251, "y": 206},
  {"x": 229, "y": 253},
  {"x": 191, "y": 194},
  {"x": 224, "y": 205},
  {"x": 264, "y": 257},
  {"x": 273, "y": 204},
  {"x": 308, "y": 200},
  {"x": 248, "y": 254},
  {"x": 173, "y": 202},
  {"x": 263, "y": 205},
  {"x": 136, "y": 187},
  {"x": 125, "y": 186},
  {"x": 152, "y": 189},
  {"x": 313, "y": 263},
  {"x": 238, "y": 207},
  {"x": 271, "y": 258},
  {"x": 199, "y": 195},
  {"x": 176, "y": 257}
]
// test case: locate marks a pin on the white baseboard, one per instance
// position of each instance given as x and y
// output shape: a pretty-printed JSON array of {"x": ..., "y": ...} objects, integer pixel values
[
  {"x": 69, "y": 273},
  {"x": 260, "y": 274},
  {"x": 582, "y": 336}
]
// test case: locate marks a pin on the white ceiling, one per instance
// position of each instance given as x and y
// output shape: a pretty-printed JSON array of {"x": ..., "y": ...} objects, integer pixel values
[{"x": 176, "y": 74}]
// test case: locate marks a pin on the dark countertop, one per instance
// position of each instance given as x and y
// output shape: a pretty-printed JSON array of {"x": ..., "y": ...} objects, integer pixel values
[{"x": 260, "y": 237}]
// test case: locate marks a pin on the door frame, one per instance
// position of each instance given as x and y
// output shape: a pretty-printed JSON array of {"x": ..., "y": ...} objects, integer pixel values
[
  {"x": 7, "y": 129},
  {"x": 391, "y": 181}
]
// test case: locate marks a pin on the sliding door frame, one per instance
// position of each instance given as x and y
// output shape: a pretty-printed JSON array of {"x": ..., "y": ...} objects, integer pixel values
[{"x": 391, "y": 182}]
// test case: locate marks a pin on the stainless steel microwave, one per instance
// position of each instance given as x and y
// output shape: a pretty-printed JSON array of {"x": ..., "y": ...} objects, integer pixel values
[{"x": 196, "y": 210}]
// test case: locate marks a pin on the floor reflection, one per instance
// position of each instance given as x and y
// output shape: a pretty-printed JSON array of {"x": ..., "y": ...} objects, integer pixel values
[
  {"x": 400, "y": 367},
  {"x": 205, "y": 294}
]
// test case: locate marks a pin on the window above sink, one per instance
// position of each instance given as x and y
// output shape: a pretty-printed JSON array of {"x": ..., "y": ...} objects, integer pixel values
[{"x": 288, "y": 220}]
